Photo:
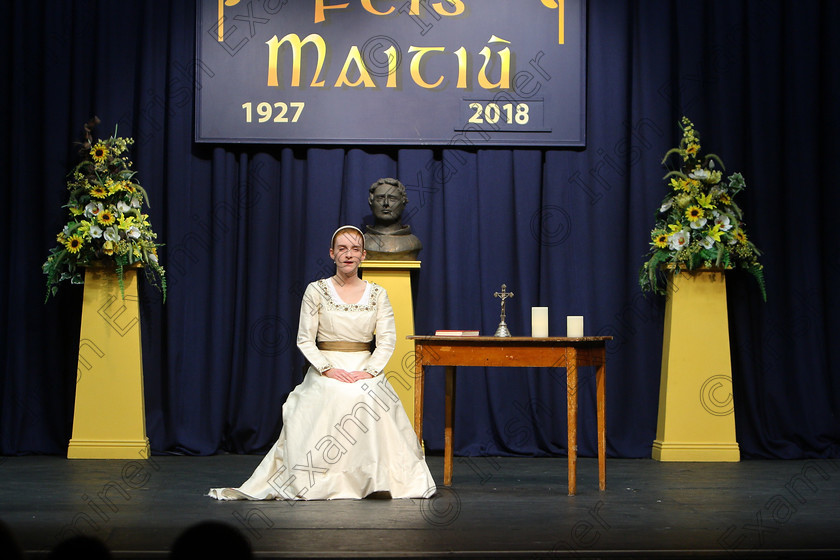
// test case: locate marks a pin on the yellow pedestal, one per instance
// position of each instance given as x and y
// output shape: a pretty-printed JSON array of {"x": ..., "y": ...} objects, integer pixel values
[
  {"x": 395, "y": 277},
  {"x": 696, "y": 412},
  {"x": 109, "y": 421}
]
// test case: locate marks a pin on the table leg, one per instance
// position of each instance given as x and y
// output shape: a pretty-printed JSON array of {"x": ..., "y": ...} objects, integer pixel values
[
  {"x": 419, "y": 384},
  {"x": 601, "y": 403},
  {"x": 571, "y": 407},
  {"x": 449, "y": 420}
]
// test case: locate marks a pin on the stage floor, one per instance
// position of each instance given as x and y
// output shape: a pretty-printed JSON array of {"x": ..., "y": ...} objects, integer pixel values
[{"x": 496, "y": 507}]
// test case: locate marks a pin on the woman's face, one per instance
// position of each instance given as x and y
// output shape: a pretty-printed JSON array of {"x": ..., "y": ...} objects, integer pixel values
[{"x": 347, "y": 251}]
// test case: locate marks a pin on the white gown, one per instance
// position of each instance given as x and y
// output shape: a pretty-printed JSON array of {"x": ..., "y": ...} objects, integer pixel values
[{"x": 341, "y": 440}]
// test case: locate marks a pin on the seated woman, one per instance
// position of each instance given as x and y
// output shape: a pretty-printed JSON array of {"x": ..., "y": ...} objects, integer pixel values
[{"x": 345, "y": 433}]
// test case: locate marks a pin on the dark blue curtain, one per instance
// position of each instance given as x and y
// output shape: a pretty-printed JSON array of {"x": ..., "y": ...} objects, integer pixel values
[{"x": 246, "y": 227}]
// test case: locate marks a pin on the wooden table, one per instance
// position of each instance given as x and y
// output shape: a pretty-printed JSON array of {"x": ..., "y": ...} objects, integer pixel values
[{"x": 515, "y": 351}]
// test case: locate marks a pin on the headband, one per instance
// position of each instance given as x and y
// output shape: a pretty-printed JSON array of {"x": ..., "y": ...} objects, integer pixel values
[{"x": 343, "y": 228}]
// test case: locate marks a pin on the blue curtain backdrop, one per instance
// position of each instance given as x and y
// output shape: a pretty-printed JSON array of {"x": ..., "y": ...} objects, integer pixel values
[{"x": 246, "y": 227}]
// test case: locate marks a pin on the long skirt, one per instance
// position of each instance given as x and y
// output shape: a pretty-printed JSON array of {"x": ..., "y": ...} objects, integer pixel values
[{"x": 340, "y": 440}]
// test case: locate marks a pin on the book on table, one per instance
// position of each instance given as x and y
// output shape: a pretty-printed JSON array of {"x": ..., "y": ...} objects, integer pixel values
[{"x": 447, "y": 332}]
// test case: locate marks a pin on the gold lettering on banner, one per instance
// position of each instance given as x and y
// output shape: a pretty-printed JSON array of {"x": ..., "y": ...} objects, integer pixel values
[
  {"x": 366, "y": 4},
  {"x": 354, "y": 57},
  {"x": 415, "y": 66},
  {"x": 504, "y": 56},
  {"x": 391, "y": 53},
  {"x": 462, "y": 68},
  {"x": 560, "y": 6},
  {"x": 320, "y": 7},
  {"x": 221, "y": 19},
  {"x": 297, "y": 46},
  {"x": 457, "y": 7}
]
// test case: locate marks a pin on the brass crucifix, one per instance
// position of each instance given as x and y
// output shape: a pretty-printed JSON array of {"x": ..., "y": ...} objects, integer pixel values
[{"x": 503, "y": 295}]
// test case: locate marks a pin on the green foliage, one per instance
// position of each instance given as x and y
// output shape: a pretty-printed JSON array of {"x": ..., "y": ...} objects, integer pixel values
[
  {"x": 698, "y": 225},
  {"x": 105, "y": 223}
]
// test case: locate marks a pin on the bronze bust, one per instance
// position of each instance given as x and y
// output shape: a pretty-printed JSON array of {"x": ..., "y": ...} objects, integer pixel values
[{"x": 388, "y": 238}]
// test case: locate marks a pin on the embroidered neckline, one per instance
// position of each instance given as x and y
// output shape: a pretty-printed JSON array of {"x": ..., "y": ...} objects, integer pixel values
[
  {"x": 337, "y": 297},
  {"x": 370, "y": 305}
]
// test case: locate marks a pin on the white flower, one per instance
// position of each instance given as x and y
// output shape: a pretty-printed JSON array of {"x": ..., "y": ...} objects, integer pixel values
[
  {"x": 700, "y": 174},
  {"x": 123, "y": 207},
  {"x": 666, "y": 205},
  {"x": 93, "y": 208},
  {"x": 111, "y": 234},
  {"x": 698, "y": 223},
  {"x": 708, "y": 243},
  {"x": 66, "y": 230},
  {"x": 135, "y": 202},
  {"x": 678, "y": 240},
  {"x": 722, "y": 220},
  {"x": 95, "y": 231},
  {"x": 153, "y": 258},
  {"x": 133, "y": 232}
]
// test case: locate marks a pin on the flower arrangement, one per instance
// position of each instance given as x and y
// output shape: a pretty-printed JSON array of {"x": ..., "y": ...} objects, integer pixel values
[
  {"x": 105, "y": 222},
  {"x": 698, "y": 225}
]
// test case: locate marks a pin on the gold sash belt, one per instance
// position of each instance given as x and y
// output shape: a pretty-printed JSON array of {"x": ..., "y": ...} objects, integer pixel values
[{"x": 343, "y": 346}]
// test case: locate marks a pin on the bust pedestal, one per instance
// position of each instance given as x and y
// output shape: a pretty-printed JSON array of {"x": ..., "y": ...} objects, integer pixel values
[
  {"x": 696, "y": 419},
  {"x": 395, "y": 277},
  {"x": 109, "y": 420}
]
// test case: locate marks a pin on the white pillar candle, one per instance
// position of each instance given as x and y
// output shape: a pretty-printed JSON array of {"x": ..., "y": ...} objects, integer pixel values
[
  {"x": 539, "y": 321},
  {"x": 574, "y": 326}
]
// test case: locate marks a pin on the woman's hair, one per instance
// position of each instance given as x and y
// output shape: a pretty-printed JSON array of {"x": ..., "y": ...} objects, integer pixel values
[{"x": 347, "y": 229}]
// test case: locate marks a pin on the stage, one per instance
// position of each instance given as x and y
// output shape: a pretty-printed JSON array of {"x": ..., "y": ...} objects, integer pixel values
[{"x": 496, "y": 507}]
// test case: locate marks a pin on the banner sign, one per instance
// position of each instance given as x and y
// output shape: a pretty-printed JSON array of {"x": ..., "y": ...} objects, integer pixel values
[{"x": 405, "y": 72}]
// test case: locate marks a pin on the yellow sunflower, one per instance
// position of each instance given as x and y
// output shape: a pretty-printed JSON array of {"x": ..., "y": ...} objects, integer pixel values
[
  {"x": 740, "y": 236},
  {"x": 660, "y": 239},
  {"x": 725, "y": 199},
  {"x": 98, "y": 192},
  {"x": 692, "y": 149},
  {"x": 99, "y": 152},
  {"x": 74, "y": 244},
  {"x": 106, "y": 218},
  {"x": 693, "y": 213}
]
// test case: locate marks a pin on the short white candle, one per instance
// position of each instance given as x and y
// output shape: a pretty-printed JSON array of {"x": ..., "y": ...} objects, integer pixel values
[
  {"x": 539, "y": 321},
  {"x": 574, "y": 326}
]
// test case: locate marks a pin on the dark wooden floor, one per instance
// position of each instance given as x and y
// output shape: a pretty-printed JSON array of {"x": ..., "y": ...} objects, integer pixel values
[{"x": 496, "y": 507}]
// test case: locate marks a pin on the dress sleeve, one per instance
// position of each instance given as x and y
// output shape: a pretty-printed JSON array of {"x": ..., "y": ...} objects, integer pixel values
[
  {"x": 310, "y": 312},
  {"x": 386, "y": 334}
]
